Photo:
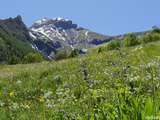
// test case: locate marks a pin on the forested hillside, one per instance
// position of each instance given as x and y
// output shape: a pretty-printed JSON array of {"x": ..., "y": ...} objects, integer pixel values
[{"x": 14, "y": 40}]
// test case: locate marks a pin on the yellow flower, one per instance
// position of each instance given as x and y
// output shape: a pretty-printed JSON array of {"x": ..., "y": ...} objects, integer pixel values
[
  {"x": 27, "y": 106},
  {"x": 11, "y": 94},
  {"x": 41, "y": 99}
]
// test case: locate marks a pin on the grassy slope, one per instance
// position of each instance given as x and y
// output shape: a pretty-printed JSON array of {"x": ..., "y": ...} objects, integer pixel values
[
  {"x": 14, "y": 40},
  {"x": 112, "y": 84}
]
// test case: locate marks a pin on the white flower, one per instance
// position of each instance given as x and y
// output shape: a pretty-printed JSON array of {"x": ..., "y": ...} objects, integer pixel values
[
  {"x": 1, "y": 103},
  {"x": 48, "y": 94}
]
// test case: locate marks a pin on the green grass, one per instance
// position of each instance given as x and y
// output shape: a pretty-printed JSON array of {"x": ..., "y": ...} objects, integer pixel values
[{"x": 111, "y": 85}]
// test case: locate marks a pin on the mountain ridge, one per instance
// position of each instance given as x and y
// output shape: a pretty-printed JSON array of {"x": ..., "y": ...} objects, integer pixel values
[
  {"x": 14, "y": 40},
  {"x": 61, "y": 33},
  {"x": 48, "y": 37}
]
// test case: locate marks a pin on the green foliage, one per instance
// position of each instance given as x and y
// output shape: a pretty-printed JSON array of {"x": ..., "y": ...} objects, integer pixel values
[
  {"x": 150, "y": 37},
  {"x": 32, "y": 58},
  {"x": 13, "y": 60},
  {"x": 100, "y": 49},
  {"x": 121, "y": 84},
  {"x": 148, "y": 109},
  {"x": 130, "y": 40},
  {"x": 156, "y": 30},
  {"x": 114, "y": 44},
  {"x": 62, "y": 54},
  {"x": 74, "y": 53},
  {"x": 14, "y": 40},
  {"x": 12, "y": 50}
]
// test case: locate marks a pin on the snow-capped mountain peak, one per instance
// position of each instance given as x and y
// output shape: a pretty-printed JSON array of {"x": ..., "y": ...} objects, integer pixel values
[
  {"x": 59, "y": 33},
  {"x": 41, "y": 21},
  {"x": 45, "y": 20},
  {"x": 60, "y": 19},
  {"x": 58, "y": 22}
]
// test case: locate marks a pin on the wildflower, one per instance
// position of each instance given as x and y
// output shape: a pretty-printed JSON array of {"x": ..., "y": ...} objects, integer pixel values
[
  {"x": 2, "y": 103},
  {"x": 19, "y": 82},
  {"x": 75, "y": 100},
  {"x": 15, "y": 106},
  {"x": 11, "y": 94},
  {"x": 48, "y": 94},
  {"x": 50, "y": 103},
  {"x": 26, "y": 106},
  {"x": 41, "y": 99}
]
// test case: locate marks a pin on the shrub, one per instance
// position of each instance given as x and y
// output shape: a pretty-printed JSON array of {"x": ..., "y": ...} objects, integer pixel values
[
  {"x": 150, "y": 37},
  {"x": 12, "y": 49},
  {"x": 32, "y": 58},
  {"x": 61, "y": 54},
  {"x": 100, "y": 49},
  {"x": 13, "y": 60},
  {"x": 155, "y": 36},
  {"x": 156, "y": 30},
  {"x": 74, "y": 53},
  {"x": 114, "y": 44},
  {"x": 131, "y": 40}
]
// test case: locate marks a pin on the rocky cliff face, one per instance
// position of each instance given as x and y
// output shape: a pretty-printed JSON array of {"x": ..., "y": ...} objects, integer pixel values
[{"x": 50, "y": 35}]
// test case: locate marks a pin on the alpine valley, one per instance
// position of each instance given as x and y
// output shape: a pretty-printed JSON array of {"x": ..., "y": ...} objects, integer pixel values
[{"x": 103, "y": 77}]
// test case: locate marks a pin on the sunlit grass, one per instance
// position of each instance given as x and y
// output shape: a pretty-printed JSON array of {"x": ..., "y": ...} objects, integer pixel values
[{"x": 119, "y": 84}]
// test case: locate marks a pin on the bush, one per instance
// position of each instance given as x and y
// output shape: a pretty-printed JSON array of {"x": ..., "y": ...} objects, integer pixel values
[
  {"x": 100, "y": 49},
  {"x": 74, "y": 53},
  {"x": 131, "y": 40},
  {"x": 66, "y": 53},
  {"x": 12, "y": 49},
  {"x": 155, "y": 36},
  {"x": 61, "y": 54},
  {"x": 114, "y": 44},
  {"x": 32, "y": 58},
  {"x": 151, "y": 37},
  {"x": 13, "y": 60},
  {"x": 156, "y": 30}
]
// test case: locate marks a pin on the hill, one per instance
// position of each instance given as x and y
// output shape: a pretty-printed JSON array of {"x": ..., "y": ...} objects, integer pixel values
[
  {"x": 117, "y": 84},
  {"x": 14, "y": 40}
]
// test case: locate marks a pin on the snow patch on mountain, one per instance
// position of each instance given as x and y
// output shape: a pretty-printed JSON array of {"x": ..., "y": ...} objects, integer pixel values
[
  {"x": 32, "y": 36},
  {"x": 41, "y": 21},
  {"x": 86, "y": 33}
]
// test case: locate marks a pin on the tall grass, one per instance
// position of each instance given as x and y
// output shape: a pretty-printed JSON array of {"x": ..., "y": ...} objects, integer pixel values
[{"x": 117, "y": 85}]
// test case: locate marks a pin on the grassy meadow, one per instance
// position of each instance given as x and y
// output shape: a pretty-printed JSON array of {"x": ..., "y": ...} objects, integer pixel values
[{"x": 108, "y": 85}]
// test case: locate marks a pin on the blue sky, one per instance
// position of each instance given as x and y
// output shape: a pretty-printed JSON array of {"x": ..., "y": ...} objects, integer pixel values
[{"x": 111, "y": 17}]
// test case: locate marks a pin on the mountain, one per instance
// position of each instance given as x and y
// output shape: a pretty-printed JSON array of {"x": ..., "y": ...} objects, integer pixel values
[
  {"x": 47, "y": 36},
  {"x": 52, "y": 35},
  {"x": 15, "y": 41}
]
